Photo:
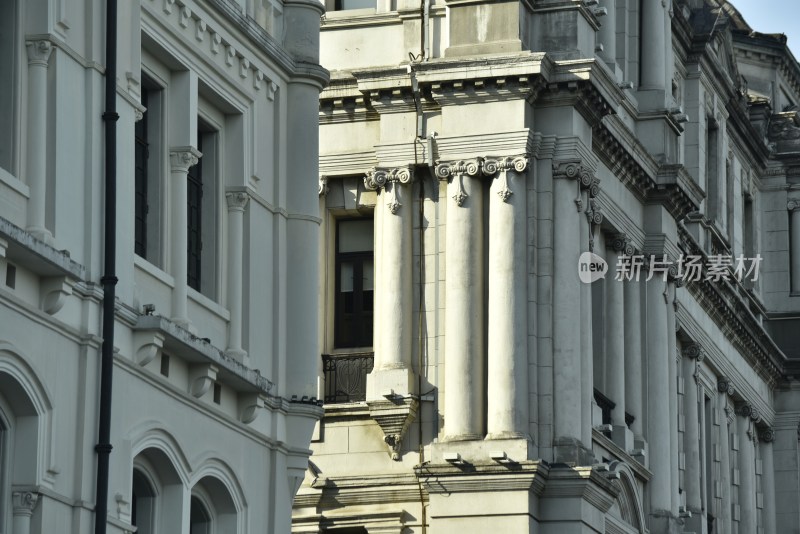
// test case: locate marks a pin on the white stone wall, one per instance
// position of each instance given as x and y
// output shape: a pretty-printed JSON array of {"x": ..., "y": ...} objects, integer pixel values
[{"x": 214, "y": 391}]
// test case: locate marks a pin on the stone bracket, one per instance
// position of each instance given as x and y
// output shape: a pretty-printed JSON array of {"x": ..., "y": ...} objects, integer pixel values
[
  {"x": 54, "y": 293},
  {"x": 249, "y": 405},
  {"x": 394, "y": 415},
  {"x": 147, "y": 345},
  {"x": 201, "y": 378}
]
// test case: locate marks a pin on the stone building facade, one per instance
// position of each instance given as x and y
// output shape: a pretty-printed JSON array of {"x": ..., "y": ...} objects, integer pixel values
[
  {"x": 471, "y": 153},
  {"x": 215, "y": 366}
]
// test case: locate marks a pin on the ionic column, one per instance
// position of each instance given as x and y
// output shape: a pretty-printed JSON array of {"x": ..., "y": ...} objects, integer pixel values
[
  {"x": 393, "y": 314},
  {"x": 237, "y": 202},
  {"x": 745, "y": 427},
  {"x": 672, "y": 351},
  {"x": 464, "y": 343},
  {"x": 24, "y": 502},
  {"x": 586, "y": 342},
  {"x": 568, "y": 400},
  {"x": 652, "y": 60},
  {"x": 36, "y": 150},
  {"x": 658, "y": 389},
  {"x": 180, "y": 158},
  {"x": 692, "y": 355},
  {"x": 633, "y": 351},
  {"x": 767, "y": 436},
  {"x": 725, "y": 388},
  {"x": 507, "y": 393},
  {"x": 794, "y": 210},
  {"x": 608, "y": 34},
  {"x": 615, "y": 339}
]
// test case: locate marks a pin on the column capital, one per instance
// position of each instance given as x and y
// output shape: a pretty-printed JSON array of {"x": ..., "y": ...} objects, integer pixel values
[
  {"x": 377, "y": 177},
  {"x": 38, "y": 51},
  {"x": 24, "y": 502},
  {"x": 767, "y": 435},
  {"x": 693, "y": 351},
  {"x": 793, "y": 204},
  {"x": 237, "y": 200},
  {"x": 448, "y": 169},
  {"x": 749, "y": 411},
  {"x": 323, "y": 186},
  {"x": 459, "y": 169},
  {"x": 593, "y": 213},
  {"x": 183, "y": 157},
  {"x": 724, "y": 385},
  {"x": 499, "y": 167},
  {"x": 575, "y": 170},
  {"x": 620, "y": 242}
]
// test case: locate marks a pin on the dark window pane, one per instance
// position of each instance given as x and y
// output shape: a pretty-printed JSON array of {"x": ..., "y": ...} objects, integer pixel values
[
  {"x": 140, "y": 197},
  {"x": 194, "y": 197}
]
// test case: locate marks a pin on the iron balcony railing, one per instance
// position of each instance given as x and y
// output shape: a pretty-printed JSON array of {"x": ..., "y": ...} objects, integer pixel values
[{"x": 346, "y": 376}]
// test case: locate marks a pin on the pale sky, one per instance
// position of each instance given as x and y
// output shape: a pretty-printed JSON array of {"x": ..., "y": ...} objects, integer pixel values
[{"x": 773, "y": 16}]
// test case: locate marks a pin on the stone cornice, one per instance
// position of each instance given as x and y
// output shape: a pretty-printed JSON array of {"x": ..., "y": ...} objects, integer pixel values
[
  {"x": 732, "y": 314},
  {"x": 447, "y": 478}
]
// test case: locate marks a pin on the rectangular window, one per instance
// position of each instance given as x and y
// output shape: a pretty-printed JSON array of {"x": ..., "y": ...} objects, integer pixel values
[
  {"x": 8, "y": 79},
  {"x": 147, "y": 175},
  {"x": 201, "y": 196},
  {"x": 354, "y": 283},
  {"x": 341, "y": 5}
]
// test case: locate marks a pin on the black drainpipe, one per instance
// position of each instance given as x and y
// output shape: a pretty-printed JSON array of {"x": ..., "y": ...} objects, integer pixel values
[{"x": 109, "y": 279}]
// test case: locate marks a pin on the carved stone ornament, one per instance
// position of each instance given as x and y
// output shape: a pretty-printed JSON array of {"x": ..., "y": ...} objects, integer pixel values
[
  {"x": 378, "y": 177},
  {"x": 594, "y": 214},
  {"x": 724, "y": 385},
  {"x": 767, "y": 435},
  {"x": 457, "y": 170},
  {"x": 394, "y": 417},
  {"x": 181, "y": 158},
  {"x": 621, "y": 243},
  {"x": 323, "y": 186},
  {"x": 694, "y": 351},
  {"x": 501, "y": 166},
  {"x": 38, "y": 52},
  {"x": 24, "y": 502},
  {"x": 745, "y": 410},
  {"x": 793, "y": 204},
  {"x": 237, "y": 200}
]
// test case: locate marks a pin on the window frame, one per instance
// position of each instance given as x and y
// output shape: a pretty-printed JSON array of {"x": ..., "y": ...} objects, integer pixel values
[
  {"x": 16, "y": 61},
  {"x": 364, "y": 338}
]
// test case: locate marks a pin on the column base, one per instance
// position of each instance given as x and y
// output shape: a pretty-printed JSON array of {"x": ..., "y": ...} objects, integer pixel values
[
  {"x": 640, "y": 450},
  {"x": 622, "y": 436},
  {"x": 385, "y": 383},
  {"x": 572, "y": 452},
  {"x": 663, "y": 522},
  {"x": 694, "y": 524},
  {"x": 505, "y": 435},
  {"x": 240, "y": 355},
  {"x": 42, "y": 234},
  {"x": 184, "y": 323}
]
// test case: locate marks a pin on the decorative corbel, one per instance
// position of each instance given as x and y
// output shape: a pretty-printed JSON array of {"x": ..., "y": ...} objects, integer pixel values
[
  {"x": 54, "y": 292},
  {"x": 201, "y": 378},
  {"x": 394, "y": 416},
  {"x": 147, "y": 345},
  {"x": 249, "y": 405},
  {"x": 323, "y": 186}
]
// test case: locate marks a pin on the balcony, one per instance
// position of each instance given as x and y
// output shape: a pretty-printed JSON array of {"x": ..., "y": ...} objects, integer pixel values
[{"x": 346, "y": 376}]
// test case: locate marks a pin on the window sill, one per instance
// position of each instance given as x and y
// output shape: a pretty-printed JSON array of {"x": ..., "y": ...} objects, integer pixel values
[
  {"x": 12, "y": 182},
  {"x": 212, "y": 306},
  {"x": 153, "y": 271}
]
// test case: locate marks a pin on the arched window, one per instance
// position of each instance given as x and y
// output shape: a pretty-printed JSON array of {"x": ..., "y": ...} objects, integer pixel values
[
  {"x": 199, "y": 517},
  {"x": 143, "y": 503},
  {"x": 213, "y": 508}
]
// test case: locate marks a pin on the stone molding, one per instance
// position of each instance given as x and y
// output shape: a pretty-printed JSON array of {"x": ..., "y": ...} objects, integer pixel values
[
  {"x": 183, "y": 157},
  {"x": 38, "y": 52},
  {"x": 237, "y": 200}
]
